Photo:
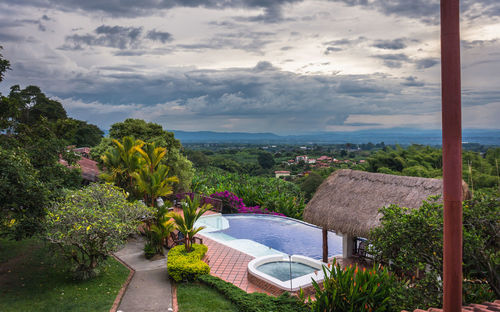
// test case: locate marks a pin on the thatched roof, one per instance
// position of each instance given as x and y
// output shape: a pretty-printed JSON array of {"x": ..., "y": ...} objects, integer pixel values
[{"x": 348, "y": 200}]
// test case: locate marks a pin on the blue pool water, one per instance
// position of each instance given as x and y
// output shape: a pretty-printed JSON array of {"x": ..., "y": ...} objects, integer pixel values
[{"x": 279, "y": 234}]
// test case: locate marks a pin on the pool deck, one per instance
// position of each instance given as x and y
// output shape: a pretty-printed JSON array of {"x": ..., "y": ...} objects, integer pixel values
[{"x": 230, "y": 265}]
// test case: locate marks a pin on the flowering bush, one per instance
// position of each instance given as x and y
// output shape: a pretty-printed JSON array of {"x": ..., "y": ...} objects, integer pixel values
[{"x": 232, "y": 203}]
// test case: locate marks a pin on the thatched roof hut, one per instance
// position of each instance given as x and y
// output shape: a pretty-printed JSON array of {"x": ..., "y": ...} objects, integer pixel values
[{"x": 348, "y": 201}]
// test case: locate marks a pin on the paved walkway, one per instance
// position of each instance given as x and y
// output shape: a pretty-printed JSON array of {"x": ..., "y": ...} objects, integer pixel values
[{"x": 150, "y": 289}]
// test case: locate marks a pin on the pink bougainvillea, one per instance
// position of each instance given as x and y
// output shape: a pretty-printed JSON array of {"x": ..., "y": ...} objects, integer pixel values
[{"x": 232, "y": 203}]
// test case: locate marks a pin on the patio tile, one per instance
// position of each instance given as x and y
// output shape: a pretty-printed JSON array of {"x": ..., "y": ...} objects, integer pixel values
[{"x": 230, "y": 265}]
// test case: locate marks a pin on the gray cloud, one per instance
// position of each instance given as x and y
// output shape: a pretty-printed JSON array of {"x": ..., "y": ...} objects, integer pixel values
[
  {"x": 396, "y": 44},
  {"x": 470, "y": 44},
  {"x": 242, "y": 40},
  {"x": 428, "y": 10},
  {"x": 118, "y": 37},
  {"x": 426, "y": 62},
  {"x": 412, "y": 81},
  {"x": 394, "y": 60},
  {"x": 337, "y": 119},
  {"x": 272, "y": 8},
  {"x": 7, "y": 37},
  {"x": 341, "y": 44},
  {"x": 331, "y": 50},
  {"x": 161, "y": 36},
  {"x": 424, "y": 10},
  {"x": 397, "y": 60}
]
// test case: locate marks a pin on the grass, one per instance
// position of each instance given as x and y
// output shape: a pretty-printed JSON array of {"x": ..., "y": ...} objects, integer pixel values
[
  {"x": 33, "y": 279},
  {"x": 194, "y": 297}
]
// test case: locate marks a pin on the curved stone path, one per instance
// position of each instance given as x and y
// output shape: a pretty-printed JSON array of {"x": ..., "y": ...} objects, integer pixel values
[{"x": 150, "y": 289}]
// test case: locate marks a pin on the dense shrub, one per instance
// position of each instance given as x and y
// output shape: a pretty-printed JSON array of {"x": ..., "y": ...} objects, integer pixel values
[
  {"x": 22, "y": 194},
  {"x": 254, "y": 302},
  {"x": 412, "y": 242},
  {"x": 184, "y": 265},
  {"x": 352, "y": 289},
  {"x": 91, "y": 223}
]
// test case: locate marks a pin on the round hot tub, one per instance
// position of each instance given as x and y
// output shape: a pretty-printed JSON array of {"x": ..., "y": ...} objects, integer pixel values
[{"x": 289, "y": 273}]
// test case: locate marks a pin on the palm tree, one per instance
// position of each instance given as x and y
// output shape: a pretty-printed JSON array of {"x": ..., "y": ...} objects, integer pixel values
[
  {"x": 122, "y": 161},
  {"x": 185, "y": 222},
  {"x": 154, "y": 184}
]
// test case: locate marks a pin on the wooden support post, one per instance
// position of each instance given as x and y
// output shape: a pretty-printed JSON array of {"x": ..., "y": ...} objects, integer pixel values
[
  {"x": 325, "y": 245},
  {"x": 452, "y": 155}
]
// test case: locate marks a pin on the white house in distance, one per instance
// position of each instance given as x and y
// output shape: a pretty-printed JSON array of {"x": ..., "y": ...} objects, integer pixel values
[
  {"x": 303, "y": 158},
  {"x": 279, "y": 174}
]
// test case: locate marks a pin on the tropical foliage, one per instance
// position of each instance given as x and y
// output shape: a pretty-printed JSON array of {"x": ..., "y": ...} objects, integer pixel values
[
  {"x": 480, "y": 171},
  {"x": 22, "y": 194},
  {"x": 89, "y": 224},
  {"x": 137, "y": 167},
  {"x": 150, "y": 132},
  {"x": 158, "y": 232},
  {"x": 352, "y": 289},
  {"x": 412, "y": 242},
  {"x": 273, "y": 194},
  {"x": 191, "y": 212}
]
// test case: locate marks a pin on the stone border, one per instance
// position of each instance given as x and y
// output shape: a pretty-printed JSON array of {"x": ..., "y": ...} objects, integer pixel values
[
  {"x": 175, "y": 306},
  {"x": 120, "y": 294}
]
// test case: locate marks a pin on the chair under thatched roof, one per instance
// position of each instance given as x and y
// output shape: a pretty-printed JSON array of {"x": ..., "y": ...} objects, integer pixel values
[{"x": 348, "y": 201}]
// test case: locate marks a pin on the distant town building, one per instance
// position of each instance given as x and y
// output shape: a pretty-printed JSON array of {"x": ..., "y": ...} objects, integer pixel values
[
  {"x": 311, "y": 161},
  {"x": 283, "y": 173},
  {"x": 301, "y": 158},
  {"x": 324, "y": 159}
]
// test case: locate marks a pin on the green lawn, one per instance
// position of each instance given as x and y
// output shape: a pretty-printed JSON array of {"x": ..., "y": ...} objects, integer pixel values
[
  {"x": 32, "y": 279},
  {"x": 193, "y": 297}
]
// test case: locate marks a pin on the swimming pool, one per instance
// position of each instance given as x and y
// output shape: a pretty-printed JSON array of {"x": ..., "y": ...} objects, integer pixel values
[{"x": 264, "y": 235}]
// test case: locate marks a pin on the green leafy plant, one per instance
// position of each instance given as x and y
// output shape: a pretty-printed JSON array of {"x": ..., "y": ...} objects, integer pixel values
[
  {"x": 272, "y": 194},
  {"x": 91, "y": 223},
  {"x": 158, "y": 232},
  {"x": 187, "y": 266},
  {"x": 411, "y": 240},
  {"x": 121, "y": 162},
  {"x": 185, "y": 222},
  {"x": 152, "y": 178},
  {"x": 352, "y": 289},
  {"x": 254, "y": 302}
]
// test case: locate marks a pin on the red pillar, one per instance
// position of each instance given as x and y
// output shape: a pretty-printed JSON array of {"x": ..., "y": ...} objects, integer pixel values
[
  {"x": 325, "y": 245},
  {"x": 452, "y": 155}
]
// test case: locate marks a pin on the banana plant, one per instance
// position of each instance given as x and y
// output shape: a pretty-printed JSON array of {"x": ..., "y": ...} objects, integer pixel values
[{"x": 185, "y": 222}]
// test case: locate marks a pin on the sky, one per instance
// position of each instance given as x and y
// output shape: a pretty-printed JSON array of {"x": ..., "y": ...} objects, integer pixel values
[{"x": 282, "y": 66}]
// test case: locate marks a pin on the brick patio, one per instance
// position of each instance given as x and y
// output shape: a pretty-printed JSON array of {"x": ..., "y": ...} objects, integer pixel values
[{"x": 230, "y": 265}]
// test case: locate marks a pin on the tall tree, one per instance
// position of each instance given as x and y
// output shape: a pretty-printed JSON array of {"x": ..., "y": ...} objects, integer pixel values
[{"x": 4, "y": 65}]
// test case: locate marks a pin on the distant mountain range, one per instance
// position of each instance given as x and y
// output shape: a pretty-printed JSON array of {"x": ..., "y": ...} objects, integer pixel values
[{"x": 401, "y": 136}]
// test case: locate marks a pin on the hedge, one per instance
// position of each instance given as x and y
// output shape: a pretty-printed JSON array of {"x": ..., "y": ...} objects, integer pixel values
[
  {"x": 254, "y": 302},
  {"x": 184, "y": 266}
]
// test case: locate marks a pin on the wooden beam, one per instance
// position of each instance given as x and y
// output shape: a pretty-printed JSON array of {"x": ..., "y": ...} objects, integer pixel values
[{"x": 452, "y": 155}]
